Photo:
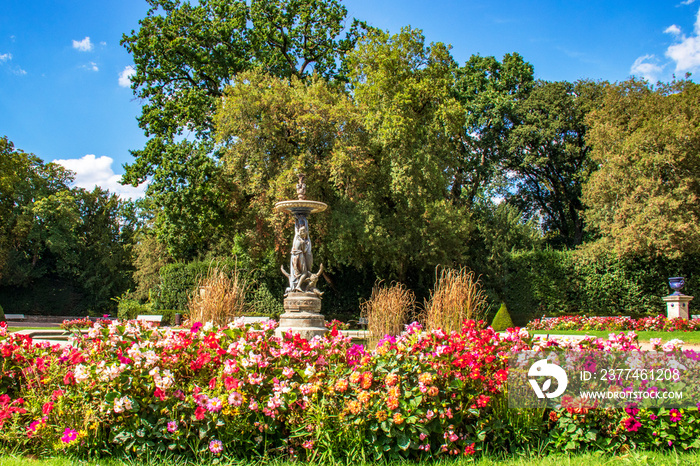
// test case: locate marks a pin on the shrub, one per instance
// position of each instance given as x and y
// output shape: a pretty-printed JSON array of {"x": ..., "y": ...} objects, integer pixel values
[
  {"x": 502, "y": 320},
  {"x": 264, "y": 303},
  {"x": 128, "y": 309},
  {"x": 457, "y": 296},
  {"x": 218, "y": 298},
  {"x": 2, "y": 314},
  {"x": 387, "y": 310}
]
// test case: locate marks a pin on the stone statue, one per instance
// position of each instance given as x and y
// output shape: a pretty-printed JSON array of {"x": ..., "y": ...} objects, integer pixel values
[
  {"x": 301, "y": 280},
  {"x": 301, "y": 186}
]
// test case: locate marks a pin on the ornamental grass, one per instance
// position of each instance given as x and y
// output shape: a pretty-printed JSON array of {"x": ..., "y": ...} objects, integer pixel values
[
  {"x": 220, "y": 297},
  {"x": 457, "y": 296},
  {"x": 387, "y": 311}
]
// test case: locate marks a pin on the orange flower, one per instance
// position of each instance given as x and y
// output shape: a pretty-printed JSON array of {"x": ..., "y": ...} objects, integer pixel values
[
  {"x": 341, "y": 385},
  {"x": 381, "y": 416},
  {"x": 394, "y": 392},
  {"x": 398, "y": 419},
  {"x": 391, "y": 379},
  {"x": 367, "y": 378},
  {"x": 425, "y": 378},
  {"x": 354, "y": 407},
  {"x": 363, "y": 397},
  {"x": 392, "y": 403},
  {"x": 355, "y": 377},
  {"x": 433, "y": 391}
]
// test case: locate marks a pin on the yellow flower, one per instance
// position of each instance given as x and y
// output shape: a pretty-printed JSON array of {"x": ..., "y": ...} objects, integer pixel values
[{"x": 381, "y": 416}]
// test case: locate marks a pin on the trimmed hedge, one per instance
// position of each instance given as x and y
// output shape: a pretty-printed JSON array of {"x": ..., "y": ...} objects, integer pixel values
[
  {"x": 502, "y": 321},
  {"x": 555, "y": 283}
]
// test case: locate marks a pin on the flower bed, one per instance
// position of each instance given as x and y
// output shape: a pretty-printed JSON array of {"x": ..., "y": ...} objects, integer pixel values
[
  {"x": 240, "y": 391},
  {"x": 658, "y": 323}
]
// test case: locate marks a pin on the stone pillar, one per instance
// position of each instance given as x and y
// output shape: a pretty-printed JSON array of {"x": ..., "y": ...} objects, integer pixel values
[{"x": 677, "y": 305}]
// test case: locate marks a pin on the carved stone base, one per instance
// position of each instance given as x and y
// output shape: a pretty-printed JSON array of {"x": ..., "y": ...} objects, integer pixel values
[
  {"x": 302, "y": 302},
  {"x": 302, "y": 316}
]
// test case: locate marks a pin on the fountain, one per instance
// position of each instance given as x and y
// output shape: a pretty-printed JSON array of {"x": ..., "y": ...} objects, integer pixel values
[{"x": 302, "y": 300}]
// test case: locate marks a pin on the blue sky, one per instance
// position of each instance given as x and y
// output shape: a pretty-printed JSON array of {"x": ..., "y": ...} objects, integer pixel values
[{"x": 64, "y": 91}]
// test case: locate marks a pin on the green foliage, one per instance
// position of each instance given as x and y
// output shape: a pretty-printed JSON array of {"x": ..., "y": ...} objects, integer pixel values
[
  {"x": 549, "y": 157},
  {"x": 185, "y": 54},
  {"x": 549, "y": 282},
  {"x": 643, "y": 199},
  {"x": 2, "y": 314},
  {"x": 128, "y": 309},
  {"x": 177, "y": 283},
  {"x": 502, "y": 320},
  {"x": 264, "y": 303}
]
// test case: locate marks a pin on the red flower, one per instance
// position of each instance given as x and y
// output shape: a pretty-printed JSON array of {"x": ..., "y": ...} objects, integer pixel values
[
  {"x": 46, "y": 409},
  {"x": 469, "y": 450},
  {"x": 200, "y": 412},
  {"x": 69, "y": 378}
]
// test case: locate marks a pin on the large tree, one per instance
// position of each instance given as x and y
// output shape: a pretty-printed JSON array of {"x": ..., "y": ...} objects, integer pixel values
[
  {"x": 643, "y": 199},
  {"x": 51, "y": 231},
  {"x": 385, "y": 157},
  {"x": 487, "y": 93},
  {"x": 548, "y": 156},
  {"x": 185, "y": 55}
]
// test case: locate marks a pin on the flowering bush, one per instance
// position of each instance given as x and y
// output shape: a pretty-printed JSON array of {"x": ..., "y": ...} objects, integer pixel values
[
  {"x": 83, "y": 323},
  {"x": 658, "y": 323},
  {"x": 239, "y": 391}
]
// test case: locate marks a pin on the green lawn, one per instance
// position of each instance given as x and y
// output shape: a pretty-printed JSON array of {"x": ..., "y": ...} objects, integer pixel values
[
  {"x": 17, "y": 329},
  {"x": 632, "y": 458},
  {"x": 687, "y": 337}
]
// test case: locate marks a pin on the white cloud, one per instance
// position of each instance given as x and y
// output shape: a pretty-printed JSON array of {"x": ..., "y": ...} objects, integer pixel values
[
  {"x": 673, "y": 29},
  {"x": 83, "y": 45},
  {"x": 5, "y": 56},
  {"x": 18, "y": 71},
  {"x": 91, "y": 171},
  {"x": 687, "y": 2},
  {"x": 125, "y": 76},
  {"x": 92, "y": 66},
  {"x": 685, "y": 53},
  {"x": 646, "y": 67}
]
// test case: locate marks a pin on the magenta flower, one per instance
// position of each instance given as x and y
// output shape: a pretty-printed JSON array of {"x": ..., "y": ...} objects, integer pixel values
[
  {"x": 214, "y": 405},
  {"x": 216, "y": 447},
  {"x": 69, "y": 435},
  {"x": 172, "y": 427},
  {"x": 675, "y": 415},
  {"x": 632, "y": 425}
]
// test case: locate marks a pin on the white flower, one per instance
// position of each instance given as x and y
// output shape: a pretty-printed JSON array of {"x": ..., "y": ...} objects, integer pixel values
[{"x": 310, "y": 370}]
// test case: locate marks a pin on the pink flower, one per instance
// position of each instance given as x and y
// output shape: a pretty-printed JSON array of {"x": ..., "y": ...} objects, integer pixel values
[
  {"x": 309, "y": 444},
  {"x": 235, "y": 399},
  {"x": 46, "y": 409},
  {"x": 675, "y": 415},
  {"x": 632, "y": 409},
  {"x": 172, "y": 427},
  {"x": 214, "y": 405},
  {"x": 216, "y": 447},
  {"x": 632, "y": 425},
  {"x": 69, "y": 435}
]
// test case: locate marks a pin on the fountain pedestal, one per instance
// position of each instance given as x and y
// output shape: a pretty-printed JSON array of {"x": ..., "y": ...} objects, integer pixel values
[
  {"x": 302, "y": 300},
  {"x": 302, "y": 316}
]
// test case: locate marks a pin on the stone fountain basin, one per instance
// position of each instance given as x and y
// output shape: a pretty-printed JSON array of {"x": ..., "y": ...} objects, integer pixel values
[{"x": 301, "y": 206}]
